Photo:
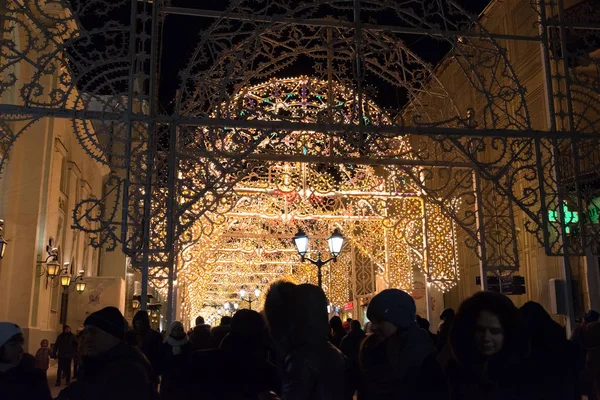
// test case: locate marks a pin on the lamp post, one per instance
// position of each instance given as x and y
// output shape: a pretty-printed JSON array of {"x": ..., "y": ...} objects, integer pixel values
[
  {"x": 335, "y": 241},
  {"x": 230, "y": 307},
  {"x": 244, "y": 296}
]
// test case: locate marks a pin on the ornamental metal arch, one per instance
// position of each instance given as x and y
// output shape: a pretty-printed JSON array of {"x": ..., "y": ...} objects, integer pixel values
[{"x": 170, "y": 169}]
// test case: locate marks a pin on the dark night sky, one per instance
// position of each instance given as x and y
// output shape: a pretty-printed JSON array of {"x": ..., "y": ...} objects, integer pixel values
[{"x": 180, "y": 35}]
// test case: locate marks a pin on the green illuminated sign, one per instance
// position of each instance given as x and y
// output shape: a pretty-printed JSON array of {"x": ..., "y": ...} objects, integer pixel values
[{"x": 571, "y": 217}]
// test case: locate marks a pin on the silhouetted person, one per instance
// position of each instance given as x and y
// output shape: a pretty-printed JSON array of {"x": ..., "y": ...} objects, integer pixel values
[
  {"x": 65, "y": 349},
  {"x": 111, "y": 369},
  {"x": 310, "y": 367},
  {"x": 350, "y": 346},
  {"x": 148, "y": 340},
  {"x": 425, "y": 325},
  {"x": 398, "y": 360},
  {"x": 552, "y": 358},
  {"x": 589, "y": 334},
  {"x": 175, "y": 363},
  {"x": 218, "y": 333},
  {"x": 337, "y": 331},
  {"x": 243, "y": 350},
  {"x": 443, "y": 333},
  {"x": 200, "y": 334},
  {"x": 587, "y": 358},
  {"x": 19, "y": 380},
  {"x": 489, "y": 349}
]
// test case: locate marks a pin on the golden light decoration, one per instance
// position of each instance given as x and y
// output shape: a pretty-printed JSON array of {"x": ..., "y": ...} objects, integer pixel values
[{"x": 246, "y": 240}]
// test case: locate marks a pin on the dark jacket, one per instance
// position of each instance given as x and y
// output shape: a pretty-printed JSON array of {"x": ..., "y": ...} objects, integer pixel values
[
  {"x": 122, "y": 373},
  {"x": 590, "y": 339},
  {"x": 24, "y": 382},
  {"x": 350, "y": 345},
  {"x": 217, "y": 334},
  {"x": 175, "y": 371},
  {"x": 65, "y": 346},
  {"x": 500, "y": 383},
  {"x": 200, "y": 336},
  {"x": 402, "y": 365},
  {"x": 150, "y": 343},
  {"x": 213, "y": 372},
  {"x": 314, "y": 372}
]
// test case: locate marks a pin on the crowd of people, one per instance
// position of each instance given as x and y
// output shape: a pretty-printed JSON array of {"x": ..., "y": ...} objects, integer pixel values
[{"x": 488, "y": 350}]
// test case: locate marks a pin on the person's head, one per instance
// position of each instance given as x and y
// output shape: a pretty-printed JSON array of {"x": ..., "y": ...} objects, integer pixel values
[
  {"x": 176, "y": 330},
  {"x": 487, "y": 324},
  {"x": 335, "y": 323},
  {"x": 141, "y": 321},
  {"x": 225, "y": 321},
  {"x": 44, "y": 343},
  {"x": 11, "y": 343},
  {"x": 447, "y": 315},
  {"x": 423, "y": 323},
  {"x": 390, "y": 311},
  {"x": 297, "y": 313},
  {"x": 199, "y": 320},
  {"x": 248, "y": 332},
  {"x": 355, "y": 325},
  {"x": 66, "y": 329},
  {"x": 349, "y": 320},
  {"x": 104, "y": 329}
]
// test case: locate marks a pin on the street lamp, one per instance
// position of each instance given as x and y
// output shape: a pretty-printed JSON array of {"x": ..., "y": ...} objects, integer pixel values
[
  {"x": 66, "y": 281},
  {"x": 335, "y": 242},
  {"x": 230, "y": 307},
  {"x": 248, "y": 298}
]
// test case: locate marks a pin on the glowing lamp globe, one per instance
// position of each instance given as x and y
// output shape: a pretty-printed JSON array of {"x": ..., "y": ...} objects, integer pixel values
[
  {"x": 80, "y": 287},
  {"x": 242, "y": 293},
  {"x": 336, "y": 242},
  {"x": 257, "y": 292},
  {"x": 301, "y": 242},
  {"x": 52, "y": 269},
  {"x": 65, "y": 280}
]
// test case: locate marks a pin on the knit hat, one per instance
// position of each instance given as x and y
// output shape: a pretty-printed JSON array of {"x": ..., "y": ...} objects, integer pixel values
[
  {"x": 7, "y": 331},
  {"x": 110, "y": 320},
  {"x": 395, "y": 306}
]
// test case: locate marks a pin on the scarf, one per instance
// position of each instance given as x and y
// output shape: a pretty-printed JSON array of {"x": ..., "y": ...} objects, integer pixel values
[{"x": 176, "y": 344}]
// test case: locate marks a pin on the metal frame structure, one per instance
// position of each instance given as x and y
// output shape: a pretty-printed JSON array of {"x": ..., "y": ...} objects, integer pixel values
[{"x": 170, "y": 169}]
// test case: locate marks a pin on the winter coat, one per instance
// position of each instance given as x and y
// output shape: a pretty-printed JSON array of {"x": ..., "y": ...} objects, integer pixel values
[
  {"x": 350, "y": 345},
  {"x": 401, "y": 366},
  {"x": 24, "y": 382},
  {"x": 336, "y": 338},
  {"x": 175, "y": 371},
  {"x": 150, "y": 343},
  {"x": 503, "y": 381},
  {"x": 590, "y": 339},
  {"x": 42, "y": 358},
  {"x": 200, "y": 336},
  {"x": 213, "y": 373},
  {"x": 65, "y": 346},
  {"x": 316, "y": 372},
  {"x": 217, "y": 334},
  {"x": 122, "y": 373}
]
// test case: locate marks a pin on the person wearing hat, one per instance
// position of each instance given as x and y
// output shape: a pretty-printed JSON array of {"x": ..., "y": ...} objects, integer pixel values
[
  {"x": 18, "y": 380},
  {"x": 398, "y": 360},
  {"x": 111, "y": 369}
]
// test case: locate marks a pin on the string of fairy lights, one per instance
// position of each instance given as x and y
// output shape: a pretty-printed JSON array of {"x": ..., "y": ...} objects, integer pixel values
[{"x": 247, "y": 242}]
